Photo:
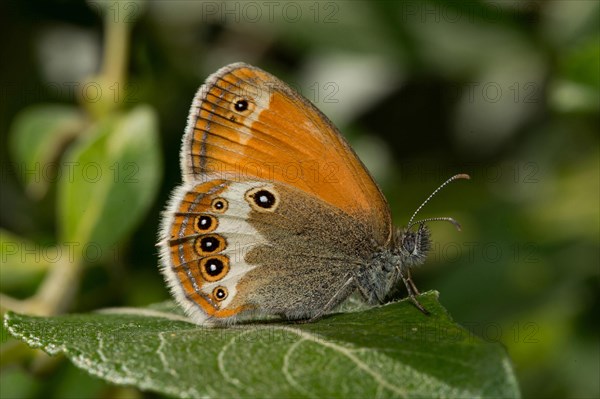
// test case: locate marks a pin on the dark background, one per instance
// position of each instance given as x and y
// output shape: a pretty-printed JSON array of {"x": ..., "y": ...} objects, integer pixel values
[{"x": 506, "y": 91}]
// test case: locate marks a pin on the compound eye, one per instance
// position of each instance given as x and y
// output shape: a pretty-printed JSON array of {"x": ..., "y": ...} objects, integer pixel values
[{"x": 409, "y": 243}]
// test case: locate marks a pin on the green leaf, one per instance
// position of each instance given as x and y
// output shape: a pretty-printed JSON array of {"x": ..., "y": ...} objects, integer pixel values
[
  {"x": 114, "y": 176},
  {"x": 577, "y": 87},
  {"x": 581, "y": 62},
  {"x": 387, "y": 351},
  {"x": 36, "y": 138},
  {"x": 23, "y": 262}
]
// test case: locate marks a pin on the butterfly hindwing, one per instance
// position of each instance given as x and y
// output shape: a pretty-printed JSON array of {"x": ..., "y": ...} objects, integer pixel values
[{"x": 237, "y": 247}]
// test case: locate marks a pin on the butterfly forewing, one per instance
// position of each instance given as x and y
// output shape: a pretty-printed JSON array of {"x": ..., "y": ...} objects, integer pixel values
[{"x": 248, "y": 123}]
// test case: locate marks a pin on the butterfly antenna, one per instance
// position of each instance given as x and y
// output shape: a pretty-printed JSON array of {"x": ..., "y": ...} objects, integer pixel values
[{"x": 446, "y": 219}]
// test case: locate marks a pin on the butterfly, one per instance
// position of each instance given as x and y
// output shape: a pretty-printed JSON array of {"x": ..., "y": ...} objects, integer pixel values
[{"x": 276, "y": 214}]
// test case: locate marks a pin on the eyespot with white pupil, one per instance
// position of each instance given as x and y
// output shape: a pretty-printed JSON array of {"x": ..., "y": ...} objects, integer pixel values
[
  {"x": 214, "y": 268},
  {"x": 208, "y": 244},
  {"x": 220, "y": 293},
  {"x": 219, "y": 205},
  {"x": 262, "y": 199},
  {"x": 205, "y": 223},
  {"x": 241, "y": 105}
]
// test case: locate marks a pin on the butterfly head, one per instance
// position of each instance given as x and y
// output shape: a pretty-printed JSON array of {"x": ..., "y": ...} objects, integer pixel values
[{"x": 412, "y": 246}]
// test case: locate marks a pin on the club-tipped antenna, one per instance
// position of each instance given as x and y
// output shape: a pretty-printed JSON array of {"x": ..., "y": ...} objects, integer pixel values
[{"x": 446, "y": 219}]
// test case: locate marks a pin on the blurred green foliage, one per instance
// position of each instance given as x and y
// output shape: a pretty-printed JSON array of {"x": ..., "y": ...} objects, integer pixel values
[{"x": 506, "y": 91}]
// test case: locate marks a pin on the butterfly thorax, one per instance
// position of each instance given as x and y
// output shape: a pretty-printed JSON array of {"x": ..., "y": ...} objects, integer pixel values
[{"x": 382, "y": 275}]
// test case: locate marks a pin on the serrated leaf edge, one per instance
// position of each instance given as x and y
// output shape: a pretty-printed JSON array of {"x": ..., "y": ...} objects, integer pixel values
[{"x": 145, "y": 312}]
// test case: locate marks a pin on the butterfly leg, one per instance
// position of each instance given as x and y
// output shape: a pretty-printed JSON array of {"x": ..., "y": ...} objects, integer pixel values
[
  {"x": 412, "y": 292},
  {"x": 412, "y": 284},
  {"x": 337, "y": 298}
]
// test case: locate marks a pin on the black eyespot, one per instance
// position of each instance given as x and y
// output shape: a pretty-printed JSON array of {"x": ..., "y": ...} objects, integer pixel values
[
  {"x": 241, "y": 105},
  {"x": 213, "y": 267},
  {"x": 220, "y": 293},
  {"x": 264, "y": 199},
  {"x": 219, "y": 205},
  {"x": 204, "y": 223},
  {"x": 209, "y": 244}
]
